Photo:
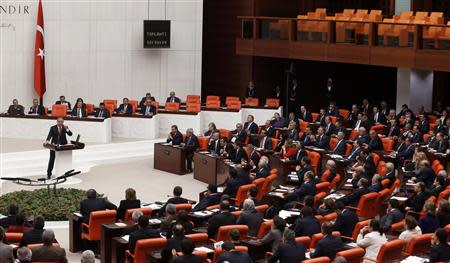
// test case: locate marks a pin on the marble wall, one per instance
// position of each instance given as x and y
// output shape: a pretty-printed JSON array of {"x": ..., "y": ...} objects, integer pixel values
[{"x": 94, "y": 50}]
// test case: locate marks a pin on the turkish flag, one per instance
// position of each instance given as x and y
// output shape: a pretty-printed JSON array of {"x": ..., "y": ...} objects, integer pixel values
[{"x": 39, "y": 59}]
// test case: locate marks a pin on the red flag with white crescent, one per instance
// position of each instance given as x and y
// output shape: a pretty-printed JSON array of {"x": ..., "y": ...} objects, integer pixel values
[{"x": 39, "y": 53}]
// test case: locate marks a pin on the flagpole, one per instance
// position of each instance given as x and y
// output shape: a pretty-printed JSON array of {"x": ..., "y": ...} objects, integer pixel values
[{"x": 42, "y": 100}]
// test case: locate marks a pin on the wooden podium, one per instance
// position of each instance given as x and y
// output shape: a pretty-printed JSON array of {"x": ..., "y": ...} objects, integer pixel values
[
  {"x": 63, "y": 155},
  {"x": 170, "y": 158},
  {"x": 210, "y": 169}
]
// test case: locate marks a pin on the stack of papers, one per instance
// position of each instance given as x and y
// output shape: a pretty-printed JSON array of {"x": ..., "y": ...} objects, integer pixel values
[
  {"x": 153, "y": 206},
  {"x": 400, "y": 198},
  {"x": 119, "y": 224},
  {"x": 154, "y": 221},
  {"x": 126, "y": 237},
  {"x": 78, "y": 214},
  {"x": 289, "y": 188},
  {"x": 286, "y": 214},
  {"x": 203, "y": 213},
  {"x": 352, "y": 244},
  {"x": 414, "y": 259},
  {"x": 335, "y": 196},
  {"x": 204, "y": 249}
]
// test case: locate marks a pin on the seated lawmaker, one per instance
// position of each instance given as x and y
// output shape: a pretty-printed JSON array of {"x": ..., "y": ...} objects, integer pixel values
[
  {"x": 148, "y": 109},
  {"x": 362, "y": 135},
  {"x": 270, "y": 130},
  {"x": 278, "y": 121},
  {"x": 102, "y": 112},
  {"x": 92, "y": 204},
  {"x": 265, "y": 142},
  {"x": 341, "y": 145},
  {"x": 211, "y": 197},
  {"x": 346, "y": 219},
  {"x": 307, "y": 188},
  {"x": 254, "y": 157},
  {"x": 211, "y": 129},
  {"x": 353, "y": 198},
  {"x": 36, "y": 109},
  {"x": 440, "y": 249},
  {"x": 305, "y": 166},
  {"x": 134, "y": 225},
  {"x": 393, "y": 215},
  {"x": 175, "y": 136},
  {"x": 143, "y": 232},
  {"x": 187, "y": 247},
  {"x": 176, "y": 199},
  {"x": 10, "y": 219},
  {"x": 47, "y": 252},
  {"x": 307, "y": 224},
  {"x": 305, "y": 115},
  {"x": 250, "y": 217},
  {"x": 292, "y": 132},
  {"x": 148, "y": 96},
  {"x": 240, "y": 154},
  {"x": 79, "y": 110},
  {"x": 393, "y": 130},
  {"x": 442, "y": 143},
  {"x": 371, "y": 238},
  {"x": 288, "y": 250},
  {"x": 329, "y": 127},
  {"x": 191, "y": 144},
  {"x": 429, "y": 222},
  {"x": 173, "y": 98},
  {"x": 374, "y": 143},
  {"x": 411, "y": 229},
  {"x": 173, "y": 243},
  {"x": 227, "y": 149},
  {"x": 130, "y": 202},
  {"x": 15, "y": 108},
  {"x": 239, "y": 135},
  {"x": 329, "y": 245},
  {"x": 235, "y": 180},
  {"x": 416, "y": 203},
  {"x": 321, "y": 117},
  {"x": 437, "y": 187},
  {"x": 214, "y": 143},
  {"x": 321, "y": 140},
  {"x": 426, "y": 174},
  {"x": 223, "y": 218},
  {"x": 353, "y": 116},
  {"x": 250, "y": 126},
  {"x": 376, "y": 185},
  {"x": 34, "y": 236},
  {"x": 232, "y": 255},
  {"x": 124, "y": 108},
  {"x": 62, "y": 101},
  {"x": 306, "y": 137},
  {"x": 263, "y": 169}
]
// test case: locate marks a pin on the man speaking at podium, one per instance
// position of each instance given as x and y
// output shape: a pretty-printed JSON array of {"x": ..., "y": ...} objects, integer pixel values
[{"x": 57, "y": 134}]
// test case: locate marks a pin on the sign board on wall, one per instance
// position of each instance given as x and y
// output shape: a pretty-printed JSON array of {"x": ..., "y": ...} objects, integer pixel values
[{"x": 156, "y": 33}]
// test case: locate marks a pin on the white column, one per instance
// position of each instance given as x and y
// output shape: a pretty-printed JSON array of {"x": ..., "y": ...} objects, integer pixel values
[{"x": 414, "y": 88}]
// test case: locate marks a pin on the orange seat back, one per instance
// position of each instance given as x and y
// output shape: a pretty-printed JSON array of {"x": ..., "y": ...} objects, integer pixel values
[
  {"x": 30, "y": 246},
  {"x": 332, "y": 143},
  {"x": 254, "y": 102},
  {"x": 315, "y": 158},
  {"x": 344, "y": 113},
  {"x": 443, "y": 195},
  {"x": 193, "y": 99},
  {"x": 419, "y": 244},
  {"x": 234, "y": 105},
  {"x": 219, "y": 251},
  {"x": 348, "y": 149},
  {"x": 367, "y": 205},
  {"x": 360, "y": 225},
  {"x": 353, "y": 134},
  {"x": 147, "y": 211},
  {"x": 199, "y": 238},
  {"x": 223, "y": 232},
  {"x": 213, "y": 104},
  {"x": 266, "y": 186},
  {"x": 388, "y": 144},
  {"x": 259, "y": 183},
  {"x": 376, "y": 158},
  {"x": 261, "y": 208},
  {"x": 303, "y": 125},
  {"x": 145, "y": 247},
  {"x": 193, "y": 107},
  {"x": 89, "y": 108},
  {"x": 13, "y": 237},
  {"x": 134, "y": 105},
  {"x": 335, "y": 181},
  {"x": 273, "y": 103},
  {"x": 114, "y": 102},
  {"x": 314, "y": 115},
  {"x": 378, "y": 128},
  {"x": 212, "y": 98},
  {"x": 225, "y": 133},
  {"x": 391, "y": 250},
  {"x": 323, "y": 187},
  {"x": 264, "y": 228},
  {"x": 96, "y": 220},
  {"x": 110, "y": 108},
  {"x": 274, "y": 143},
  {"x": 319, "y": 236},
  {"x": 325, "y": 175},
  {"x": 59, "y": 110},
  {"x": 203, "y": 143},
  {"x": 186, "y": 207},
  {"x": 330, "y": 217},
  {"x": 242, "y": 194},
  {"x": 305, "y": 241},
  {"x": 396, "y": 227},
  {"x": 353, "y": 255},
  {"x": 382, "y": 196},
  {"x": 317, "y": 260},
  {"x": 229, "y": 99},
  {"x": 319, "y": 196},
  {"x": 172, "y": 106}
]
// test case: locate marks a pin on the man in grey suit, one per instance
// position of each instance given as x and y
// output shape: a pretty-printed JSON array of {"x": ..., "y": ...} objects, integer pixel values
[
  {"x": 47, "y": 252},
  {"x": 6, "y": 251}
]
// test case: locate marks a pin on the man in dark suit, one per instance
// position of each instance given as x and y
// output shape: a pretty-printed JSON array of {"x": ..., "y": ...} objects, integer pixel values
[
  {"x": 62, "y": 100},
  {"x": 173, "y": 243},
  {"x": 426, "y": 174},
  {"x": 378, "y": 118},
  {"x": 254, "y": 156},
  {"x": 250, "y": 126},
  {"x": 125, "y": 108},
  {"x": 416, "y": 203},
  {"x": 10, "y": 220},
  {"x": 227, "y": 149},
  {"x": 233, "y": 183},
  {"x": 390, "y": 173},
  {"x": 232, "y": 255},
  {"x": 270, "y": 130},
  {"x": 424, "y": 125},
  {"x": 15, "y": 108},
  {"x": 172, "y": 98},
  {"x": 187, "y": 247},
  {"x": 262, "y": 170},
  {"x": 356, "y": 150},
  {"x": 330, "y": 90},
  {"x": 144, "y": 232},
  {"x": 440, "y": 249},
  {"x": 329, "y": 126},
  {"x": 405, "y": 149},
  {"x": 293, "y": 96},
  {"x": 353, "y": 198},
  {"x": 211, "y": 197},
  {"x": 240, "y": 154},
  {"x": 374, "y": 143},
  {"x": 135, "y": 226},
  {"x": 346, "y": 219},
  {"x": 321, "y": 141},
  {"x": 239, "y": 135},
  {"x": 321, "y": 117},
  {"x": 292, "y": 132},
  {"x": 329, "y": 245},
  {"x": 148, "y": 96},
  {"x": 392, "y": 128},
  {"x": 57, "y": 136},
  {"x": 148, "y": 109},
  {"x": 251, "y": 90},
  {"x": 307, "y": 188},
  {"x": 79, "y": 110},
  {"x": 339, "y": 128},
  {"x": 214, "y": 143},
  {"x": 442, "y": 143},
  {"x": 306, "y": 137},
  {"x": 341, "y": 146},
  {"x": 392, "y": 216},
  {"x": 222, "y": 219},
  {"x": 265, "y": 142},
  {"x": 305, "y": 166},
  {"x": 362, "y": 135},
  {"x": 289, "y": 250},
  {"x": 48, "y": 252},
  {"x": 250, "y": 217},
  {"x": 307, "y": 224},
  {"x": 92, "y": 204},
  {"x": 305, "y": 115},
  {"x": 376, "y": 185},
  {"x": 34, "y": 236},
  {"x": 102, "y": 112},
  {"x": 175, "y": 136},
  {"x": 176, "y": 199},
  {"x": 191, "y": 144},
  {"x": 36, "y": 109}
]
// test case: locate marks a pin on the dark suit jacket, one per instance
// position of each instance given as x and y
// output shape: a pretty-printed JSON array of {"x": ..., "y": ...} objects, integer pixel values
[
  {"x": 442, "y": 146},
  {"x": 323, "y": 142},
  {"x": 188, "y": 259},
  {"x": 19, "y": 110},
  {"x": 307, "y": 116},
  {"x": 176, "y": 139},
  {"x": 152, "y": 109},
  {"x": 33, "y": 236},
  {"x": 328, "y": 247},
  {"x": 8, "y": 221},
  {"x": 75, "y": 112},
  {"x": 104, "y": 113},
  {"x": 424, "y": 127},
  {"x": 363, "y": 139},
  {"x": 174, "y": 200},
  {"x": 427, "y": 176},
  {"x": 262, "y": 173},
  {"x": 252, "y": 219},
  {"x": 267, "y": 143},
  {"x": 292, "y": 134},
  {"x": 306, "y": 139},
  {"x": 209, "y": 200},
  {"x": 320, "y": 119},
  {"x": 392, "y": 217},
  {"x": 191, "y": 144},
  {"x": 240, "y": 154},
  {"x": 254, "y": 156},
  {"x": 95, "y": 204},
  {"x": 234, "y": 256},
  {"x": 417, "y": 201},
  {"x": 223, "y": 219},
  {"x": 345, "y": 222},
  {"x": 391, "y": 177},
  {"x": 298, "y": 156},
  {"x": 56, "y": 138},
  {"x": 306, "y": 226},
  {"x": 270, "y": 131},
  {"x": 393, "y": 131},
  {"x": 308, "y": 188},
  {"x": 39, "y": 110},
  {"x": 48, "y": 254},
  {"x": 172, "y": 243},
  {"x": 375, "y": 144},
  {"x": 288, "y": 252},
  {"x": 406, "y": 154},
  {"x": 301, "y": 173},
  {"x": 228, "y": 148},
  {"x": 240, "y": 136},
  {"x": 214, "y": 147},
  {"x": 143, "y": 100},
  {"x": 128, "y": 111},
  {"x": 329, "y": 129},
  {"x": 354, "y": 197},
  {"x": 125, "y": 205},
  {"x": 435, "y": 190},
  {"x": 354, "y": 153},
  {"x": 69, "y": 106},
  {"x": 340, "y": 148},
  {"x": 142, "y": 234},
  {"x": 440, "y": 253},
  {"x": 381, "y": 118},
  {"x": 130, "y": 229},
  {"x": 253, "y": 128},
  {"x": 176, "y": 99}
]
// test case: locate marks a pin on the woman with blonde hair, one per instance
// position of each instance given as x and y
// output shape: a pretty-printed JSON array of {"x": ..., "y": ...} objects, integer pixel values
[
  {"x": 430, "y": 222},
  {"x": 130, "y": 202}
]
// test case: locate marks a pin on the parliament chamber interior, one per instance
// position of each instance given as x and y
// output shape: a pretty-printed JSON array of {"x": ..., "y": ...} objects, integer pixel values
[{"x": 291, "y": 131}]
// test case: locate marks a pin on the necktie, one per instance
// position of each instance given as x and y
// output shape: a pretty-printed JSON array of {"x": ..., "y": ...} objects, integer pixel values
[
  {"x": 147, "y": 109},
  {"x": 172, "y": 100},
  {"x": 59, "y": 129},
  {"x": 79, "y": 113},
  {"x": 100, "y": 114},
  {"x": 125, "y": 108},
  {"x": 336, "y": 147},
  {"x": 357, "y": 124},
  {"x": 263, "y": 142}
]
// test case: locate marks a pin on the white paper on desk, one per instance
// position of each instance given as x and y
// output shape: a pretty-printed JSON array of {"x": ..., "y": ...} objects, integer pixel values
[
  {"x": 399, "y": 198},
  {"x": 348, "y": 185},
  {"x": 215, "y": 210},
  {"x": 218, "y": 244},
  {"x": 414, "y": 259},
  {"x": 335, "y": 196},
  {"x": 260, "y": 149},
  {"x": 220, "y": 189},
  {"x": 287, "y": 187},
  {"x": 119, "y": 224},
  {"x": 203, "y": 152},
  {"x": 352, "y": 244},
  {"x": 308, "y": 255},
  {"x": 126, "y": 238},
  {"x": 349, "y": 180},
  {"x": 154, "y": 206},
  {"x": 167, "y": 143},
  {"x": 204, "y": 249},
  {"x": 154, "y": 221},
  {"x": 2, "y": 216},
  {"x": 78, "y": 214}
]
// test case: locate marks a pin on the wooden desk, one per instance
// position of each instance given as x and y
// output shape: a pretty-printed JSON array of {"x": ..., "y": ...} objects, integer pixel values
[
  {"x": 170, "y": 158},
  {"x": 210, "y": 169},
  {"x": 107, "y": 233},
  {"x": 75, "y": 242},
  {"x": 341, "y": 165},
  {"x": 118, "y": 248},
  {"x": 283, "y": 167}
]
